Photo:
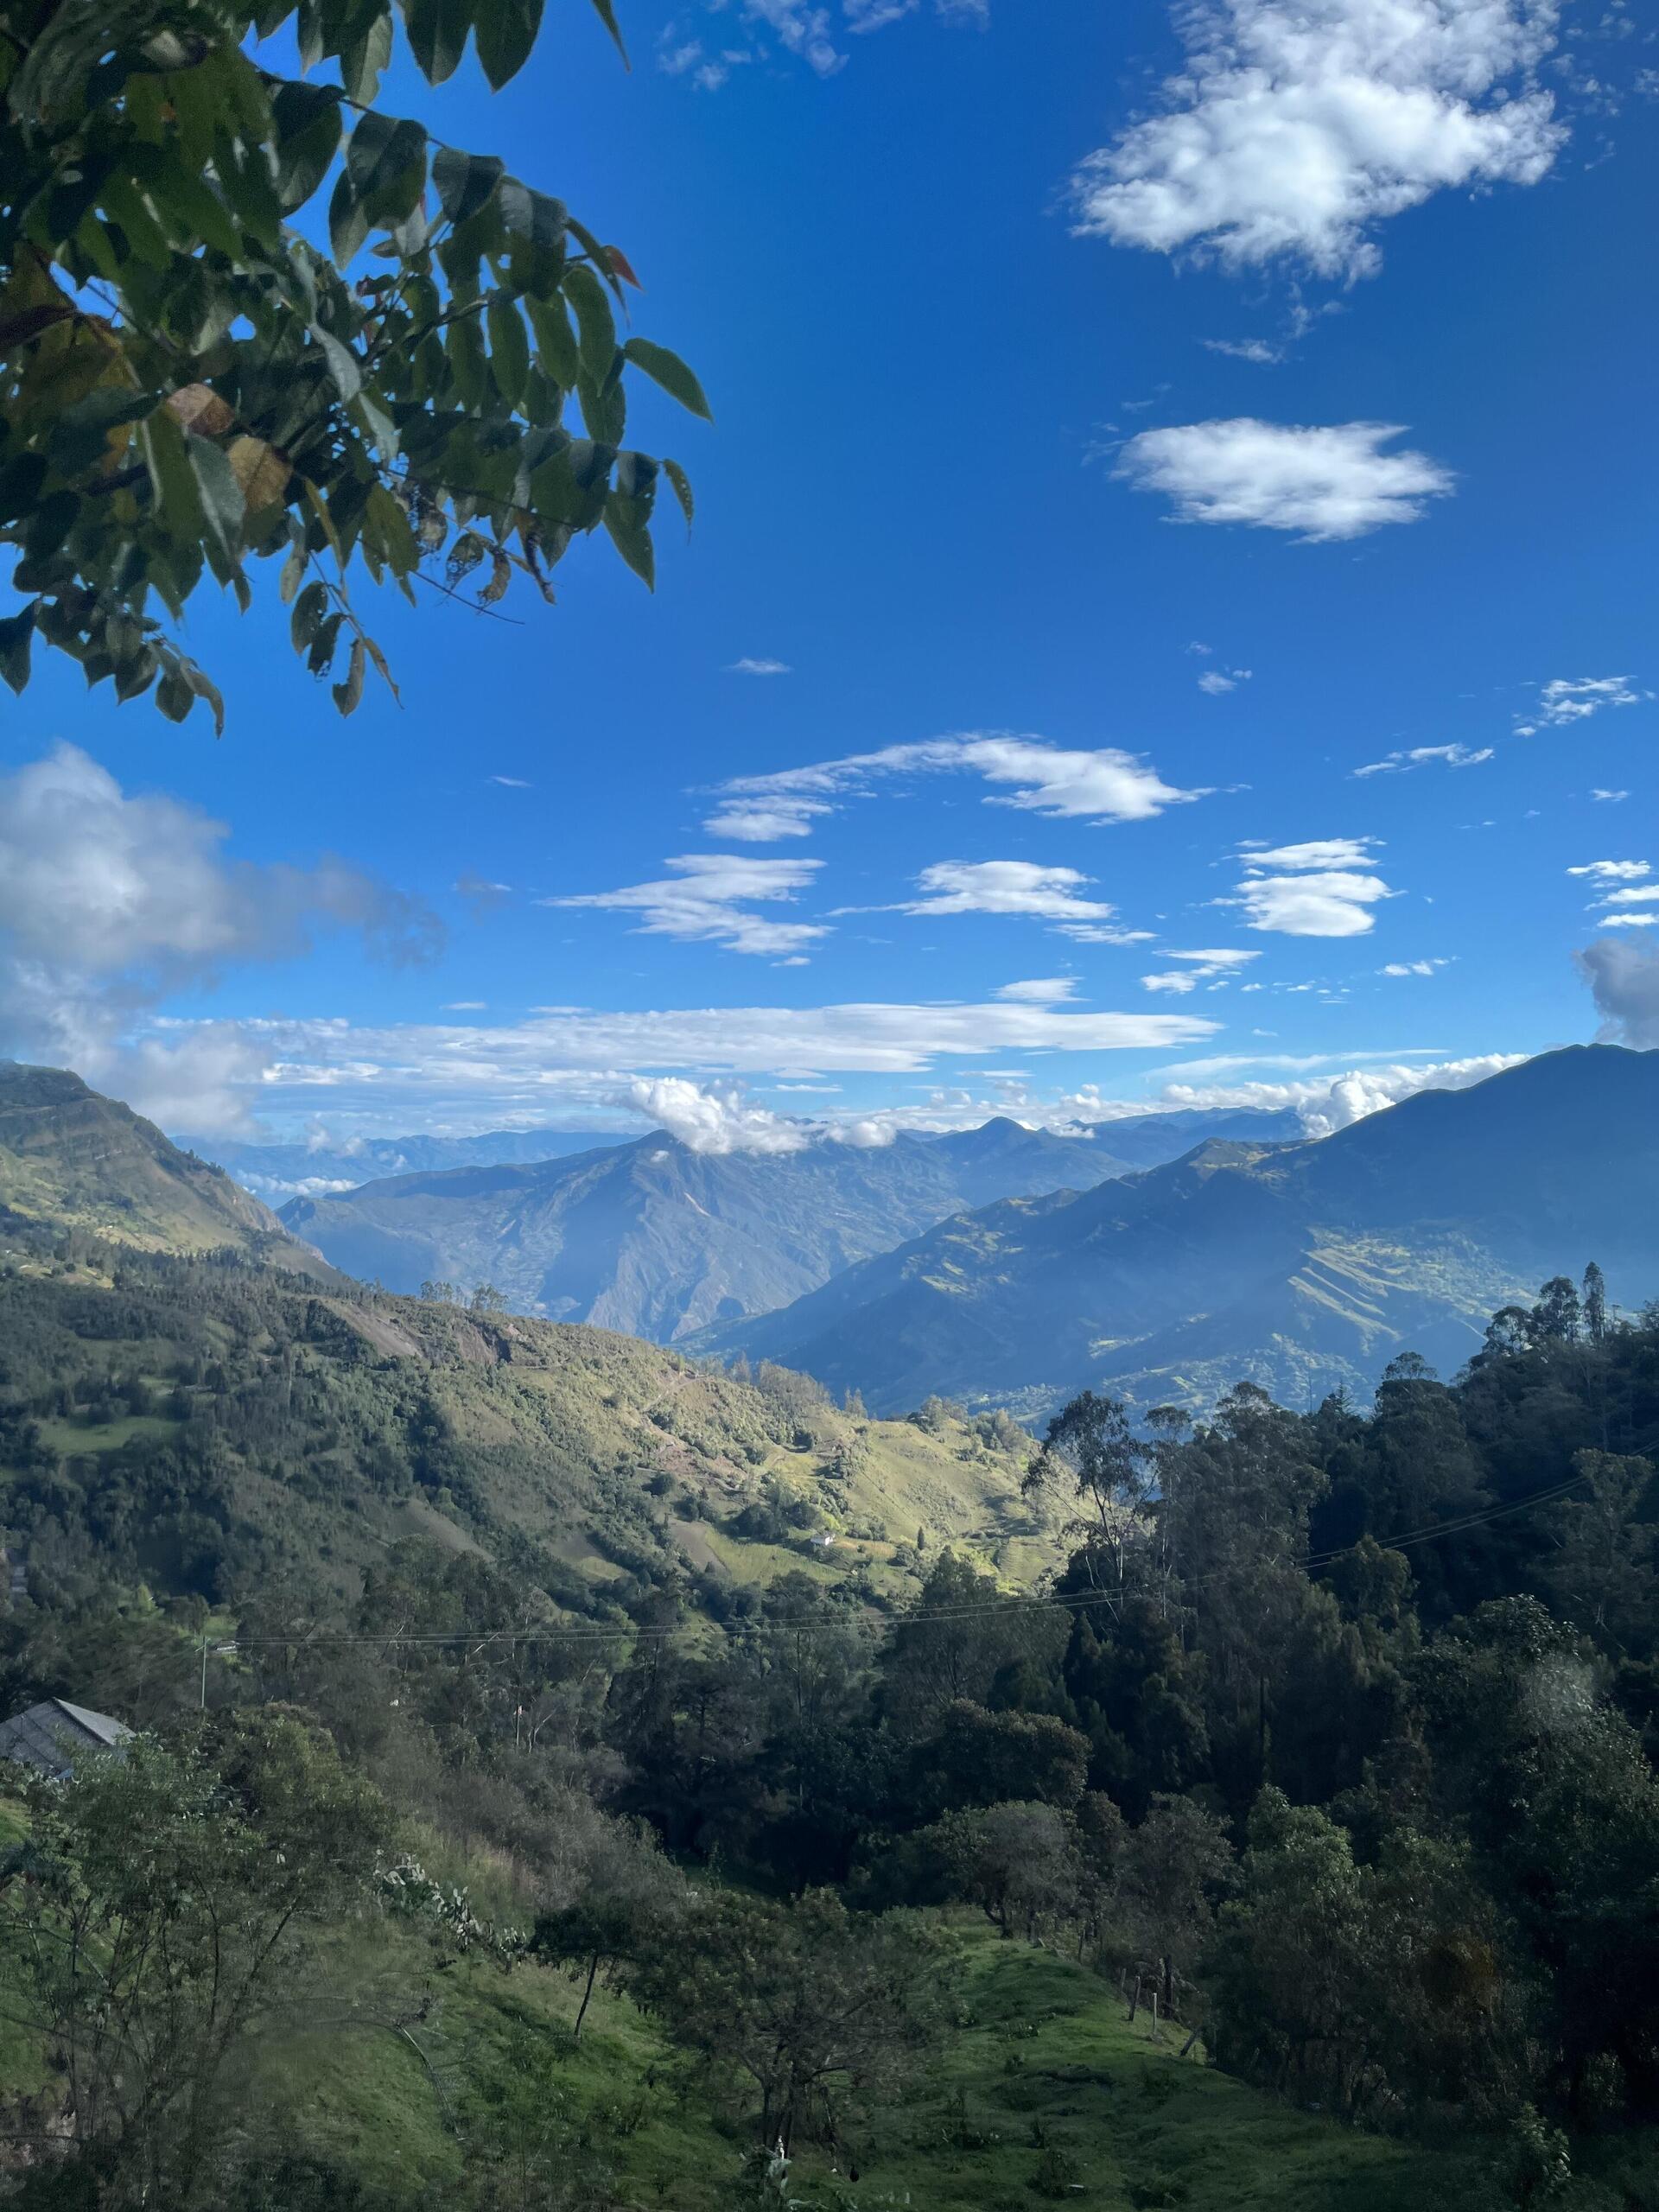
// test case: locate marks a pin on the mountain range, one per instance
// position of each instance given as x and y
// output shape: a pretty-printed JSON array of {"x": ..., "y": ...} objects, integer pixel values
[
  {"x": 660, "y": 1240},
  {"x": 324, "y": 1165},
  {"x": 1303, "y": 1267},
  {"x": 657, "y": 1240}
]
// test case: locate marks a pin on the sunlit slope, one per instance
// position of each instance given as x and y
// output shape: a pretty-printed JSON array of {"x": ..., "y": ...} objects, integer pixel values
[{"x": 70, "y": 1158}]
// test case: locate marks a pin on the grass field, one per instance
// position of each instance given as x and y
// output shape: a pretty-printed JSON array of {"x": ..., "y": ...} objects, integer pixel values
[{"x": 1046, "y": 2087}]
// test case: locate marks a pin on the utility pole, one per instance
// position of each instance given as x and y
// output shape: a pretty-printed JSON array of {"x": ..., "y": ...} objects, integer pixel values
[{"x": 204, "y": 1670}]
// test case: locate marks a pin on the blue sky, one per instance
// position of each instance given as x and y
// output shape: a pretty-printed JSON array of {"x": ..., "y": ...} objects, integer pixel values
[{"x": 1112, "y": 613}]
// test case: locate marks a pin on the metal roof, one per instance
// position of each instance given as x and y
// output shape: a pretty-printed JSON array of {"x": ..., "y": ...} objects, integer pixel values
[{"x": 48, "y": 1735}]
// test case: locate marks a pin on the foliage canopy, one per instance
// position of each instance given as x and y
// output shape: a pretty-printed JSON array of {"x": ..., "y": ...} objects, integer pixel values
[{"x": 189, "y": 379}]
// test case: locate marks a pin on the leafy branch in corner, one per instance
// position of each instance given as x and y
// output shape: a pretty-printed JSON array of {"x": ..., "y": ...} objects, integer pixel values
[{"x": 188, "y": 384}]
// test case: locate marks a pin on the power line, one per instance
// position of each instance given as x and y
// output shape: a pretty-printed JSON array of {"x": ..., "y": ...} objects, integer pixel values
[{"x": 1073, "y": 1601}]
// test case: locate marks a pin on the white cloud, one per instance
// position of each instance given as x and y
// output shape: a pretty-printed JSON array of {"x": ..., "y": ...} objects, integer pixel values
[
  {"x": 1041, "y": 990},
  {"x": 1425, "y": 756},
  {"x": 1413, "y": 967},
  {"x": 1324, "y": 482},
  {"x": 1220, "y": 963},
  {"x": 1005, "y": 888},
  {"x": 1628, "y": 909},
  {"x": 470, "y": 1074},
  {"x": 108, "y": 901},
  {"x": 1104, "y": 785},
  {"x": 714, "y": 1118},
  {"x": 750, "y": 666},
  {"x": 1612, "y": 798},
  {"x": 480, "y": 894},
  {"x": 1257, "y": 350},
  {"x": 800, "y": 30},
  {"x": 1613, "y": 871},
  {"x": 1327, "y": 1103},
  {"x": 1215, "y": 681},
  {"x": 1014, "y": 887},
  {"x": 1296, "y": 126},
  {"x": 1623, "y": 979},
  {"x": 706, "y": 900},
  {"x": 1318, "y": 890},
  {"x": 1575, "y": 699},
  {"x": 465, "y": 1006},
  {"x": 1312, "y": 853},
  {"x": 512, "y": 783},
  {"x": 765, "y": 825}
]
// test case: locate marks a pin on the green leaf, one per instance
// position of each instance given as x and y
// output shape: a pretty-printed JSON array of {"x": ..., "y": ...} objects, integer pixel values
[
  {"x": 293, "y": 574},
  {"x": 385, "y": 160},
  {"x": 17, "y": 636},
  {"x": 196, "y": 208},
  {"x": 344, "y": 367},
  {"x": 223, "y": 506},
  {"x": 509, "y": 349},
  {"x": 533, "y": 216},
  {"x": 246, "y": 180},
  {"x": 348, "y": 224},
  {"x": 173, "y": 696},
  {"x": 20, "y": 485},
  {"x": 682, "y": 483},
  {"x": 464, "y": 182},
  {"x": 594, "y": 319},
  {"x": 360, "y": 66},
  {"x": 205, "y": 689},
  {"x": 464, "y": 346},
  {"x": 308, "y": 610},
  {"x": 80, "y": 435},
  {"x": 556, "y": 342},
  {"x": 307, "y": 121},
  {"x": 437, "y": 32},
  {"x": 671, "y": 372},
  {"x": 348, "y": 694},
  {"x": 604, "y": 409},
  {"x": 125, "y": 204},
  {"x": 136, "y": 673},
  {"x": 627, "y": 519},
  {"x": 172, "y": 479},
  {"x": 504, "y": 35},
  {"x": 607, "y": 14}
]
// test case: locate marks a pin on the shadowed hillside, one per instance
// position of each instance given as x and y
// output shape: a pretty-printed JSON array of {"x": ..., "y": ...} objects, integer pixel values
[{"x": 1302, "y": 1267}]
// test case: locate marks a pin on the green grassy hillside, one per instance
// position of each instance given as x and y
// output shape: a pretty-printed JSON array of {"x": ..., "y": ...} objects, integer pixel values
[{"x": 1046, "y": 2089}]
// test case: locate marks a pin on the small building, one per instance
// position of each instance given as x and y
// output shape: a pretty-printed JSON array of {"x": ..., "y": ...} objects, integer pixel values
[{"x": 51, "y": 1736}]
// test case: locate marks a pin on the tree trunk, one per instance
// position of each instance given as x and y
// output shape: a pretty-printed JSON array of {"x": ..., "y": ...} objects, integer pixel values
[{"x": 582, "y": 2010}]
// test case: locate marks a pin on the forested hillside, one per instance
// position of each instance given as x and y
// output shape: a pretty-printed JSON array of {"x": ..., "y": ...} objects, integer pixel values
[
  {"x": 1328, "y": 1757},
  {"x": 217, "y": 1432}
]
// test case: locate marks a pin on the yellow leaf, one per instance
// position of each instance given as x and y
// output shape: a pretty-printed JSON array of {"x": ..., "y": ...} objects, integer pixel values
[
  {"x": 197, "y": 407},
  {"x": 260, "y": 471}
]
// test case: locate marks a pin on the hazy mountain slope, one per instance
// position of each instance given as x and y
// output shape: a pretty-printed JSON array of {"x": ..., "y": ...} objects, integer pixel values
[
  {"x": 70, "y": 1158},
  {"x": 657, "y": 1240},
  {"x": 1302, "y": 1266},
  {"x": 280, "y": 1172}
]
